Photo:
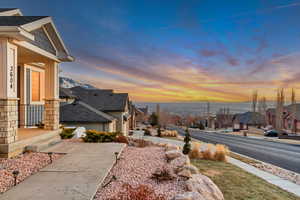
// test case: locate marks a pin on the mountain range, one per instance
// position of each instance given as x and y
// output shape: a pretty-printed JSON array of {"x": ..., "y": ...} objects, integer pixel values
[{"x": 65, "y": 82}]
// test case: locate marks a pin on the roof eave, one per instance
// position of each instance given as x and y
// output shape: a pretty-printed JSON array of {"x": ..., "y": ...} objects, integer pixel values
[
  {"x": 16, "y": 33},
  {"x": 67, "y": 59},
  {"x": 12, "y": 12}
]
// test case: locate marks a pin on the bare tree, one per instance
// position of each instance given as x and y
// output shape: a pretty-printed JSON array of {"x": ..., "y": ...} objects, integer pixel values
[
  {"x": 164, "y": 118},
  {"x": 262, "y": 105},
  {"x": 158, "y": 113},
  {"x": 254, "y": 100},
  {"x": 279, "y": 109}
]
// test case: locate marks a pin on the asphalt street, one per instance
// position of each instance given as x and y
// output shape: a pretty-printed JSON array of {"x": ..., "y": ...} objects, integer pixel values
[{"x": 284, "y": 155}]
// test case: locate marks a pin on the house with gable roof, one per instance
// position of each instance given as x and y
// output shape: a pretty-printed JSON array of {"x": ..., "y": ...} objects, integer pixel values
[
  {"x": 31, "y": 50},
  {"x": 108, "y": 111}
]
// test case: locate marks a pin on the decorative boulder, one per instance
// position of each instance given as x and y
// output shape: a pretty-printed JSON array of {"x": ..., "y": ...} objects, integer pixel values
[
  {"x": 203, "y": 185},
  {"x": 173, "y": 154},
  {"x": 191, "y": 168},
  {"x": 170, "y": 147},
  {"x": 185, "y": 173},
  {"x": 161, "y": 144},
  {"x": 189, "y": 196},
  {"x": 181, "y": 161}
]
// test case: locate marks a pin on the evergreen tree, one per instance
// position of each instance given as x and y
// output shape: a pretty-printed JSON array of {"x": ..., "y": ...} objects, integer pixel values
[
  {"x": 159, "y": 131},
  {"x": 187, "y": 146},
  {"x": 153, "y": 119}
]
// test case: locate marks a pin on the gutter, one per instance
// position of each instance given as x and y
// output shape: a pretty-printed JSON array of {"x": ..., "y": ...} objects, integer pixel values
[{"x": 16, "y": 32}]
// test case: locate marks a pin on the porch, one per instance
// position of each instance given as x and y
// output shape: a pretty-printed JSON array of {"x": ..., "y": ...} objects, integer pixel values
[
  {"x": 29, "y": 104},
  {"x": 30, "y": 139}
]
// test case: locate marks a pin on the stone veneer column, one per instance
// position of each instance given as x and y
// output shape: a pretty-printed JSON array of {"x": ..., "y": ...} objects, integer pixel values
[
  {"x": 51, "y": 114},
  {"x": 8, "y": 120}
]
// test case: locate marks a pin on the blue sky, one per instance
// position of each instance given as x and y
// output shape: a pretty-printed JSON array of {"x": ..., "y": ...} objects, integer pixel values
[{"x": 171, "y": 50}]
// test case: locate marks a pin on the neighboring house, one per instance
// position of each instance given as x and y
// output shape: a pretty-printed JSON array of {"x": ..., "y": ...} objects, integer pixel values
[
  {"x": 108, "y": 102},
  {"x": 142, "y": 114},
  {"x": 66, "y": 96},
  {"x": 245, "y": 120},
  {"x": 133, "y": 114},
  {"x": 79, "y": 113},
  {"x": 290, "y": 122},
  {"x": 30, "y": 52},
  {"x": 224, "y": 120}
]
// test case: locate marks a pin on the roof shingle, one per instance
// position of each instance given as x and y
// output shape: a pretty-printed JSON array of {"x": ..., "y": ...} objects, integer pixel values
[
  {"x": 18, "y": 20},
  {"x": 80, "y": 112},
  {"x": 103, "y": 100}
]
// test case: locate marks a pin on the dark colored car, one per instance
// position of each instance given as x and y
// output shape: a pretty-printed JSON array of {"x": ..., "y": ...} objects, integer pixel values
[{"x": 271, "y": 133}]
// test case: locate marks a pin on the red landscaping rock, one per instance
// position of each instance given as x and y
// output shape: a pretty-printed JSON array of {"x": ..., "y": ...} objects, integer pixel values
[
  {"x": 135, "y": 168},
  {"x": 27, "y": 164}
]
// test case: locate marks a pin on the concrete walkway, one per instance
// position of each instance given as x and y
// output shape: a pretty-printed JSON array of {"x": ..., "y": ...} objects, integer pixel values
[
  {"x": 140, "y": 135},
  {"x": 275, "y": 180},
  {"x": 75, "y": 176}
]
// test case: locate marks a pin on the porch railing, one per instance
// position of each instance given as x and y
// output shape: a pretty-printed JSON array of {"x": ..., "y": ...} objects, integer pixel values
[{"x": 34, "y": 114}]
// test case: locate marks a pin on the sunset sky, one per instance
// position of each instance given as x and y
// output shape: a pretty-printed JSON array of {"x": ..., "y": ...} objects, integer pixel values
[{"x": 178, "y": 51}]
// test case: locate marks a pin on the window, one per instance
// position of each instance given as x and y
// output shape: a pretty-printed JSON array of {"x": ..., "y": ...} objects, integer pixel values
[{"x": 36, "y": 86}]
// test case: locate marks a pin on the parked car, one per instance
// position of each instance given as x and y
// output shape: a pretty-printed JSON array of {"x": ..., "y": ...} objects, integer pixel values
[
  {"x": 271, "y": 133},
  {"x": 274, "y": 133}
]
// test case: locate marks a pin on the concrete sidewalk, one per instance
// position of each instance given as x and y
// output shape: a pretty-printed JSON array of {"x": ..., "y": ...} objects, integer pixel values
[
  {"x": 140, "y": 135},
  {"x": 75, "y": 176}
]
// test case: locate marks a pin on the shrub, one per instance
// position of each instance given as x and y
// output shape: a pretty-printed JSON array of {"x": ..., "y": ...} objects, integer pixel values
[
  {"x": 187, "y": 146},
  {"x": 169, "y": 133},
  {"x": 164, "y": 174},
  {"x": 207, "y": 154},
  {"x": 141, "y": 143},
  {"x": 201, "y": 126},
  {"x": 121, "y": 139},
  {"x": 98, "y": 136},
  {"x": 141, "y": 192},
  {"x": 195, "y": 153},
  {"x": 147, "y": 132},
  {"x": 221, "y": 152},
  {"x": 67, "y": 133},
  {"x": 159, "y": 132}
]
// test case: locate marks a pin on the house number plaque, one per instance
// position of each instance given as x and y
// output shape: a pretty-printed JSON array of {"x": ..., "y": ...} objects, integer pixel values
[{"x": 11, "y": 77}]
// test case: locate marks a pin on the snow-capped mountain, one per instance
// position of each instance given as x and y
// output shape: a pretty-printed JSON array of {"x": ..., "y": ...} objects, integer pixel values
[{"x": 65, "y": 82}]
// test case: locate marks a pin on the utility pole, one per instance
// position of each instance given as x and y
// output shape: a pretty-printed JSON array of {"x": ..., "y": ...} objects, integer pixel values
[
  {"x": 208, "y": 114},
  {"x": 294, "y": 111},
  {"x": 254, "y": 100}
]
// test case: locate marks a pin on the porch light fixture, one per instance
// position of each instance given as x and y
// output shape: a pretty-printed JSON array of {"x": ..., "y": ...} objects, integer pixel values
[
  {"x": 15, "y": 174},
  {"x": 50, "y": 156}
]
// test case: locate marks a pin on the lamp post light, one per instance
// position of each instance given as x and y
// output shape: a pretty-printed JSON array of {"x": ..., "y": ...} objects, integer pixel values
[
  {"x": 50, "y": 156},
  {"x": 116, "y": 154},
  {"x": 15, "y": 174}
]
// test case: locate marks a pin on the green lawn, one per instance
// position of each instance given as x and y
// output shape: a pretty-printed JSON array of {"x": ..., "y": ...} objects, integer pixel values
[{"x": 237, "y": 184}]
